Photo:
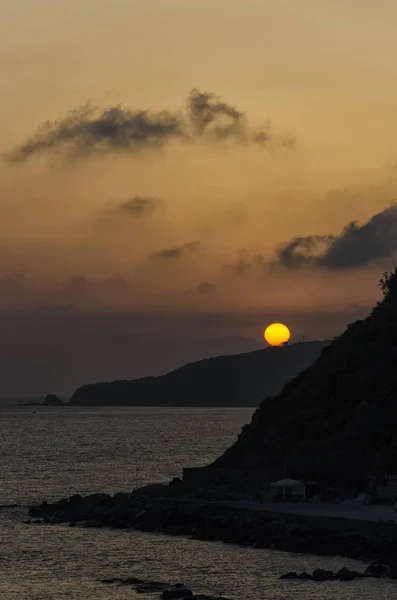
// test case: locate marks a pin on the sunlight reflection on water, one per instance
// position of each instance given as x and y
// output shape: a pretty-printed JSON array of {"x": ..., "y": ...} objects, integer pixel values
[{"x": 58, "y": 452}]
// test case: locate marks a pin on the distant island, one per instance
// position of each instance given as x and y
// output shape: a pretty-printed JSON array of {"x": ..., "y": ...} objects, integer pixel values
[
  {"x": 236, "y": 380},
  {"x": 49, "y": 400},
  {"x": 52, "y": 400}
]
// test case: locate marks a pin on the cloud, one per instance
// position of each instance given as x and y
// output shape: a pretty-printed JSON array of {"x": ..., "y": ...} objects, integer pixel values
[
  {"x": 356, "y": 245},
  {"x": 87, "y": 130},
  {"x": 139, "y": 206},
  {"x": 216, "y": 119},
  {"x": 301, "y": 251},
  {"x": 206, "y": 288},
  {"x": 245, "y": 261},
  {"x": 176, "y": 251}
]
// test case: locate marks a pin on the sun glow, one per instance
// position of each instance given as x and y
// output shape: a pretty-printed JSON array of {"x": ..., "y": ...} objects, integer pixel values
[{"x": 277, "y": 334}]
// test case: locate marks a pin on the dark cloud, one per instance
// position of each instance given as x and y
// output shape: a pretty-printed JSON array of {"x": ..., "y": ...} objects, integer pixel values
[
  {"x": 213, "y": 118},
  {"x": 139, "y": 206},
  {"x": 176, "y": 251},
  {"x": 301, "y": 251},
  {"x": 88, "y": 130},
  {"x": 85, "y": 131},
  {"x": 356, "y": 245},
  {"x": 209, "y": 115},
  {"x": 206, "y": 288}
]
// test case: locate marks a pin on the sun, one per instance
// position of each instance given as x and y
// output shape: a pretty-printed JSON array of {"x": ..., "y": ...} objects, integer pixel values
[{"x": 277, "y": 334}]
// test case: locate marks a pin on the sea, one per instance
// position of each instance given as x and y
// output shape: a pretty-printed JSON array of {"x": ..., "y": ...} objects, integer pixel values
[{"x": 50, "y": 453}]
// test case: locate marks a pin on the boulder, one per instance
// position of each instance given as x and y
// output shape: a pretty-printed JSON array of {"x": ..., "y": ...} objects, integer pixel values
[
  {"x": 75, "y": 499},
  {"x": 377, "y": 569},
  {"x": 322, "y": 575},
  {"x": 151, "y": 587},
  {"x": 175, "y": 481},
  {"x": 345, "y": 574},
  {"x": 205, "y": 597},
  {"x": 290, "y": 575},
  {"x": 176, "y": 592},
  {"x": 392, "y": 571},
  {"x": 90, "y": 523}
]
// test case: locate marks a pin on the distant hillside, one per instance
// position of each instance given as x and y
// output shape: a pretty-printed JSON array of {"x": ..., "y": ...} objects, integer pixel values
[
  {"x": 336, "y": 422},
  {"x": 237, "y": 380}
]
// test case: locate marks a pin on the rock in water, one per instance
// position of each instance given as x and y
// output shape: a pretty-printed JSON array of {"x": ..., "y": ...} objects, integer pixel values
[
  {"x": 322, "y": 575},
  {"x": 291, "y": 575},
  {"x": 377, "y": 569},
  {"x": 174, "y": 593},
  {"x": 345, "y": 574}
]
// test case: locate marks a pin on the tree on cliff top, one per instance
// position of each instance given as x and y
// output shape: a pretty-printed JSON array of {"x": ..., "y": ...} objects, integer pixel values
[{"x": 388, "y": 283}]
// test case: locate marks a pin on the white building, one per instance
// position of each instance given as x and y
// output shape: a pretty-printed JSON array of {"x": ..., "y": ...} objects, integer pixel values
[{"x": 288, "y": 489}]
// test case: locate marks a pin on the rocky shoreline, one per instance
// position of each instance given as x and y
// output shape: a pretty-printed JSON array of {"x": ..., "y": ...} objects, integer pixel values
[{"x": 360, "y": 540}]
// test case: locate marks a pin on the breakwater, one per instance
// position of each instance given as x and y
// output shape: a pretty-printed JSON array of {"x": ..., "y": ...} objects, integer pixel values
[{"x": 208, "y": 521}]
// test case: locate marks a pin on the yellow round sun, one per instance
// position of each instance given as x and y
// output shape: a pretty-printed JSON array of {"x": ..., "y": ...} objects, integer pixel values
[{"x": 277, "y": 334}]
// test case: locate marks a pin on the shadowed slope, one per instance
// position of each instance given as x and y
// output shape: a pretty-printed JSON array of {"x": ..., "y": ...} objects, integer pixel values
[{"x": 337, "y": 420}]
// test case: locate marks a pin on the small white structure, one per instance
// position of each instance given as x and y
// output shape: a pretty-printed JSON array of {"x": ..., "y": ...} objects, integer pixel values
[{"x": 288, "y": 489}]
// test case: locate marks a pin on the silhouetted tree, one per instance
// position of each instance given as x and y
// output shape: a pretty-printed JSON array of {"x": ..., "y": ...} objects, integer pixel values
[{"x": 388, "y": 282}]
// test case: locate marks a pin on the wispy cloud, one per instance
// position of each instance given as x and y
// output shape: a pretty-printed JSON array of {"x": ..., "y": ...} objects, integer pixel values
[
  {"x": 174, "y": 252},
  {"x": 139, "y": 206},
  {"x": 87, "y": 130}
]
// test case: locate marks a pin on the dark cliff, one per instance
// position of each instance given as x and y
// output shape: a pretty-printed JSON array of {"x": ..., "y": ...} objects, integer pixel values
[
  {"x": 336, "y": 422},
  {"x": 237, "y": 380}
]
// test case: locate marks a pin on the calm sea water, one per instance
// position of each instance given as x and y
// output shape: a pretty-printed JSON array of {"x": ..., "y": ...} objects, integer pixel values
[{"x": 57, "y": 452}]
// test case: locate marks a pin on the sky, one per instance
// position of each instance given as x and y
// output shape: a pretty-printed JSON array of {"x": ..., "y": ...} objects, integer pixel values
[{"x": 175, "y": 176}]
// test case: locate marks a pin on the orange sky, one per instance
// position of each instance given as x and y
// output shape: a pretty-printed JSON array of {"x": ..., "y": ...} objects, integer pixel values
[{"x": 204, "y": 240}]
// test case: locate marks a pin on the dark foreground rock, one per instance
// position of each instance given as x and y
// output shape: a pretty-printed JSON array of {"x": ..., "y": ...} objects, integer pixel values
[
  {"x": 343, "y": 574},
  {"x": 167, "y": 591},
  {"x": 359, "y": 540}
]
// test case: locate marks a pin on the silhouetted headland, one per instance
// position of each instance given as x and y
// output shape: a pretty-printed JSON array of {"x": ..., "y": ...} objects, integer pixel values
[
  {"x": 336, "y": 422},
  {"x": 236, "y": 380}
]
